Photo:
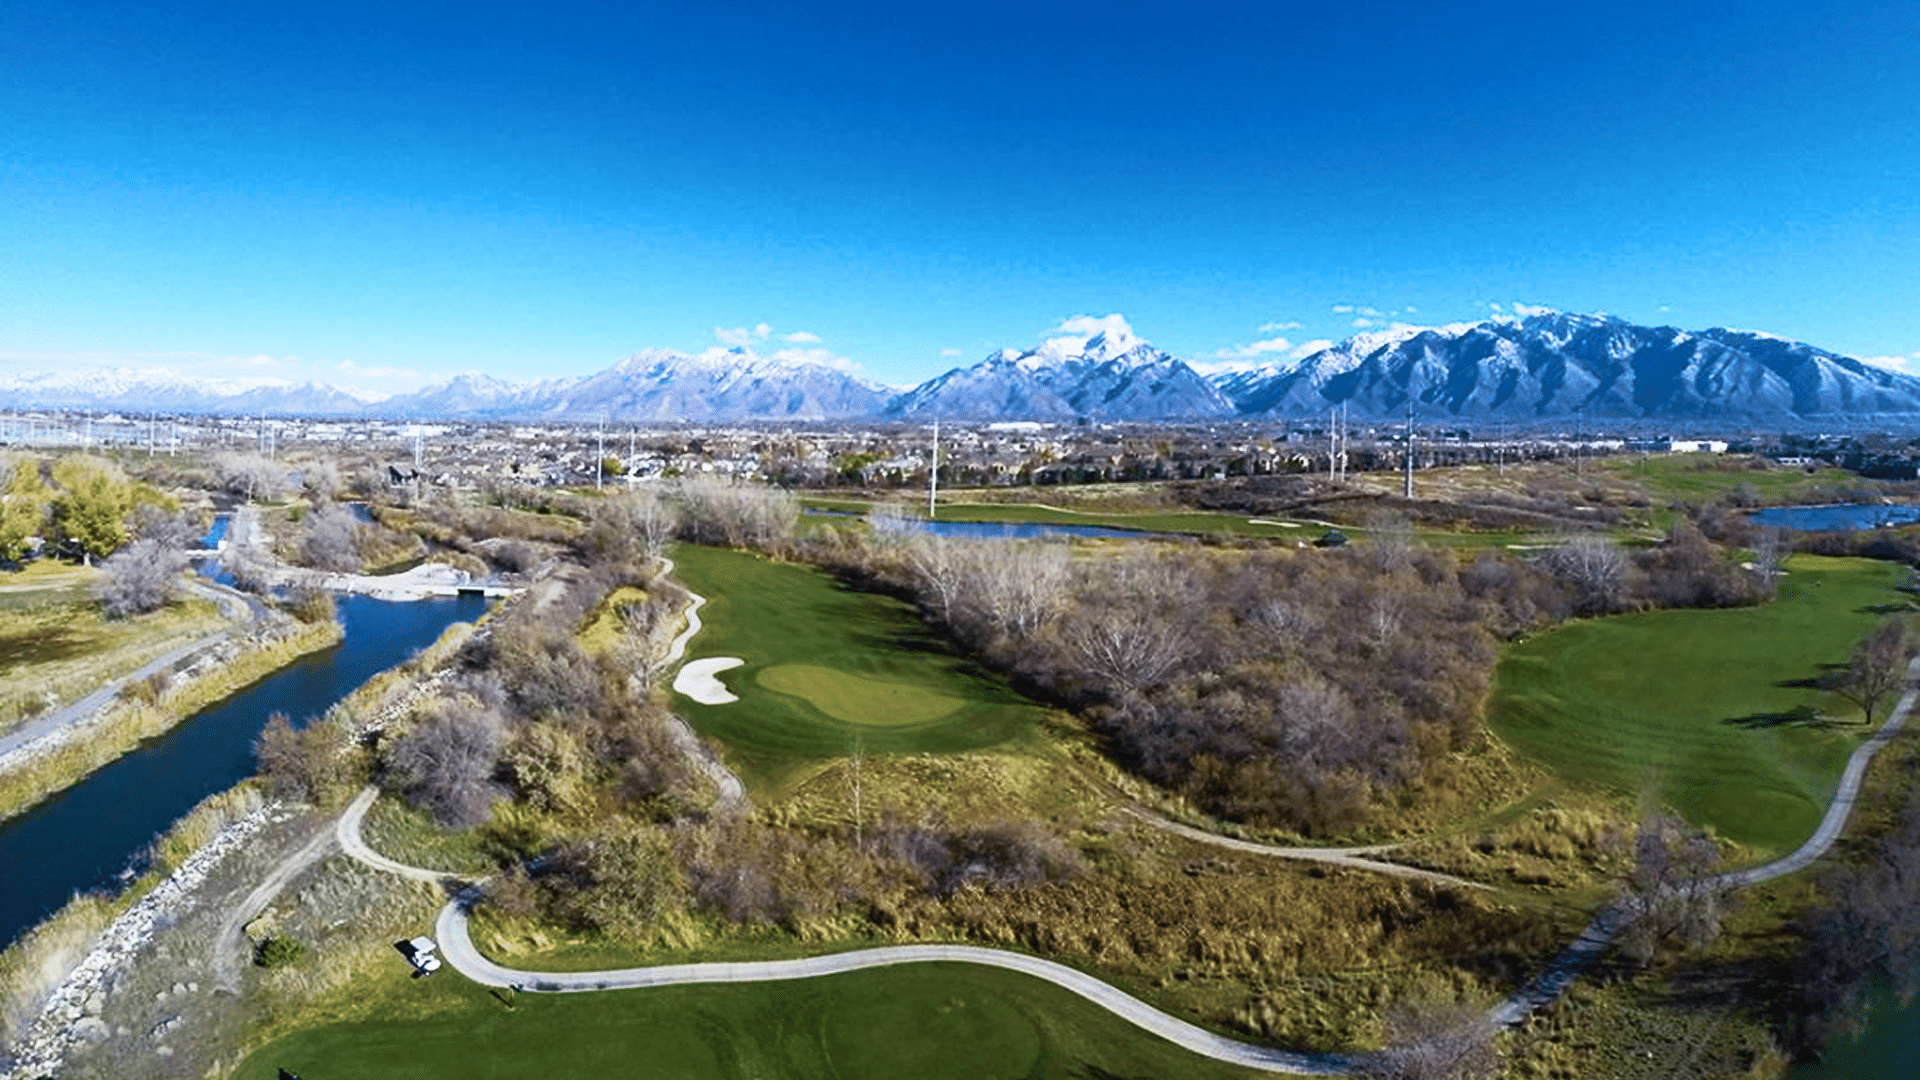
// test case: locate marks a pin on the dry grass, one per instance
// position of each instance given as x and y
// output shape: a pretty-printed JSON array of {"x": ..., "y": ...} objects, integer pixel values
[
  {"x": 127, "y": 722},
  {"x": 56, "y": 651}
]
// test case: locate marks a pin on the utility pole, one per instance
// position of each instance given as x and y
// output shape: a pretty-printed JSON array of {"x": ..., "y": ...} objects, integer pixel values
[
  {"x": 1345, "y": 434},
  {"x": 600, "y": 459},
  {"x": 1333, "y": 443},
  {"x": 1406, "y": 487},
  {"x": 933, "y": 474}
]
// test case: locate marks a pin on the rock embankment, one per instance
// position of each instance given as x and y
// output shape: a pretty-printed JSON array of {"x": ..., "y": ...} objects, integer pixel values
[{"x": 71, "y": 1013}]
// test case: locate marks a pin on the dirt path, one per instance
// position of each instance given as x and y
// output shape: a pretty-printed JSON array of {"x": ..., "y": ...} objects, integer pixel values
[
  {"x": 1353, "y": 858},
  {"x": 227, "y": 949}
]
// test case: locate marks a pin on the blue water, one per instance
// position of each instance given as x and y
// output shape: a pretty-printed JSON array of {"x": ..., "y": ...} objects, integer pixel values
[
  {"x": 217, "y": 533},
  {"x": 996, "y": 530},
  {"x": 1838, "y": 518},
  {"x": 1888, "y": 1050},
  {"x": 84, "y": 837}
]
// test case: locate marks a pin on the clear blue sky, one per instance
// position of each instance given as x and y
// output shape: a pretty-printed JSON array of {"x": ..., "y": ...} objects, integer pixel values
[{"x": 537, "y": 190}]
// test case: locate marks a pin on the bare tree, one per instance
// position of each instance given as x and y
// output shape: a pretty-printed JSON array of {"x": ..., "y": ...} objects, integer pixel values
[
  {"x": 1769, "y": 551},
  {"x": 445, "y": 765},
  {"x": 333, "y": 539},
  {"x": 1671, "y": 898},
  {"x": 141, "y": 577},
  {"x": 1122, "y": 632},
  {"x": 1436, "y": 1040},
  {"x": 252, "y": 476},
  {"x": 1878, "y": 668},
  {"x": 735, "y": 513},
  {"x": 1595, "y": 567}
]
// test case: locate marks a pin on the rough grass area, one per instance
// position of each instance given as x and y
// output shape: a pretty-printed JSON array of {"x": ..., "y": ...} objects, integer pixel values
[
  {"x": 774, "y": 615},
  {"x": 1705, "y": 477},
  {"x": 604, "y": 626},
  {"x": 401, "y": 833},
  {"x": 926, "y": 1021},
  {"x": 56, "y": 651},
  {"x": 1707, "y": 709}
]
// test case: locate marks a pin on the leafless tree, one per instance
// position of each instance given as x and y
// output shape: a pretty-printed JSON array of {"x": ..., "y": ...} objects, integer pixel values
[
  {"x": 332, "y": 539},
  {"x": 737, "y": 514},
  {"x": 252, "y": 476},
  {"x": 1022, "y": 586},
  {"x": 1671, "y": 899},
  {"x": 891, "y": 526},
  {"x": 1436, "y": 1040},
  {"x": 170, "y": 528},
  {"x": 1769, "y": 551},
  {"x": 141, "y": 577},
  {"x": 445, "y": 764},
  {"x": 640, "y": 521},
  {"x": 1121, "y": 632},
  {"x": 1595, "y": 567},
  {"x": 1878, "y": 668}
]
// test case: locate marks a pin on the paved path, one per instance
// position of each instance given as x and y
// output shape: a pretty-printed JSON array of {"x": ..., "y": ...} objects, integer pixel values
[
  {"x": 232, "y": 604},
  {"x": 1350, "y": 857}
]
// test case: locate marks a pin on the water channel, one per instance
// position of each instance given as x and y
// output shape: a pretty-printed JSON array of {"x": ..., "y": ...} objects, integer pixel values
[{"x": 89, "y": 835}]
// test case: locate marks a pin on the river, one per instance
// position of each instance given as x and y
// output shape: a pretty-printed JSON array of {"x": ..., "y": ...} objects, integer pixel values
[
  {"x": 1889, "y": 1049},
  {"x": 1840, "y": 517},
  {"x": 89, "y": 835}
]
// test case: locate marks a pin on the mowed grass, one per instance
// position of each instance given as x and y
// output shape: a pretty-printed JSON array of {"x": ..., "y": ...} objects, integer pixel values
[
  {"x": 920, "y": 1021},
  {"x": 1699, "y": 707},
  {"x": 830, "y": 669}
]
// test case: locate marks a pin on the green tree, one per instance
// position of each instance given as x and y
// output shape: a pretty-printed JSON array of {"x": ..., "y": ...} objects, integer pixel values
[
  {"x": 90, "y": 511},
  {"x": 23, "y": 507}
]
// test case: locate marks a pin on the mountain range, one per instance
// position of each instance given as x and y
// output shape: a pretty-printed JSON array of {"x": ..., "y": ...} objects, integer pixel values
[{"x": 1544, "y": 367}]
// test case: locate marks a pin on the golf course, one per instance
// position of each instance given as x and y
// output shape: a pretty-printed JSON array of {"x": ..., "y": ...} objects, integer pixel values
[
  {"x": 828, "y": 670},
  {"x": 925, "y": 1021},
  {"x": 1710, "y": 711}
]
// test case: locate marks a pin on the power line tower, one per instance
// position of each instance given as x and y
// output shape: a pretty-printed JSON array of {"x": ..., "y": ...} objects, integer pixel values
[{"x": 933, "y": 474}]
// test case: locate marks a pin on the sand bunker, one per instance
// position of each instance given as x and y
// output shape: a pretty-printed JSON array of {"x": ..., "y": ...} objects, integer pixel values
[{"x": 696, "y": 680}]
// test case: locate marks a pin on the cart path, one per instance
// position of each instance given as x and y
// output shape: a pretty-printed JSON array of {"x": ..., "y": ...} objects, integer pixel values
[
  {"x": 456, "y": 944},
  {"x": 1353, "y": 858}
]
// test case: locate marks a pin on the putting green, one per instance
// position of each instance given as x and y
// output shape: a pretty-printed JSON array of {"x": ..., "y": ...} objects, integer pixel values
[
  {"x": 857, "y": 700},
  {"x": 829, "y": 669}
]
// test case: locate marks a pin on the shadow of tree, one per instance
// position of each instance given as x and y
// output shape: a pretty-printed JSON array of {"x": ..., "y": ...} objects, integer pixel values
[{"x": 1799, "y": 716}]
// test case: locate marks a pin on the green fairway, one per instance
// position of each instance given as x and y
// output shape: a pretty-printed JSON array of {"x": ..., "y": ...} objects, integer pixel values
[
  {"x": 1699, "y": 706},
  {"x": 866, "y": 702},
  {"x": 827, "y": 666},
  {"x": 1713, "y": 476},
  {"x": 921, "y": 1021}
]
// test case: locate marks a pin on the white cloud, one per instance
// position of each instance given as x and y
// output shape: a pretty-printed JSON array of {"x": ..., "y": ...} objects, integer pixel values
[
  {"x": 1343, "y": 309},
  {"x": 1277, "y": 327},
  {"x": 801, "y": 337},
  {"x": 1253, "y": 354},
  {"x": 1530, "y": 310},
  {"x": 1086, "y": 326},
  {"x": 1411, "y": 310},
  {"x": 1372, "y": 313},
  {"x": 1666, "y": 307},
  {"x": 951, "y": 352},
  {"x": 1494, "y": 305},
  {"x": 1362, "y": 323},
  {"x": 742, "y": 335},
  {"x": 1905, "y": 365}
]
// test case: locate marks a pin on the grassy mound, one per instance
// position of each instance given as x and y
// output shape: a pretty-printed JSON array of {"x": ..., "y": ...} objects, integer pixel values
[
  {"x": 926, "y": 1021},
  {"x": 827, "y": 667},
  {"x": 1710, "y": 710}
]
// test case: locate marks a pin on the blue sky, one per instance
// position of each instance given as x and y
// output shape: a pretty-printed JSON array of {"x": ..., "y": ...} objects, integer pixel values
[{"x": 379, "y": 194}]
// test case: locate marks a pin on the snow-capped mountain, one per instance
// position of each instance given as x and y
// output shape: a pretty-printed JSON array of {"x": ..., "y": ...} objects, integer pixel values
[
  {"x": 722, "y": 384},
  {"x": 1562, "y": 364},
  {"x": 142, "y": 390},
  {"x": 1543, "y": 367},
  {"x": 1111, "y": 375}
]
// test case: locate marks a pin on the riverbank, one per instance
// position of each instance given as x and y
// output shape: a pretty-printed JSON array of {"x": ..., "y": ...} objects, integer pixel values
[{"x": 69, "y": 754}]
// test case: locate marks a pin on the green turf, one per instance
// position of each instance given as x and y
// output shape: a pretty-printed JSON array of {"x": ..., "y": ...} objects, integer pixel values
[
  {"x": 918, "y": 1022},
  {"x": 1703, "y": 477},
  {"x": 857, "y": 655},
  {"x": 866, "y": 702},
  {"x": 1698, "y": 706}
]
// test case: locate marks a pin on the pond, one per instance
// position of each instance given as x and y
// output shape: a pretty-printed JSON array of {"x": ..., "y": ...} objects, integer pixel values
[
  {"x": 88, "y": 836},
  {"x": 1886, "y": 1050},
  {"x": 1008, "y": 530},
  {"x": 1841, "y": 517}
]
